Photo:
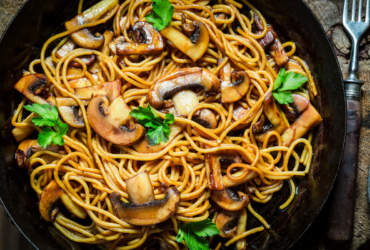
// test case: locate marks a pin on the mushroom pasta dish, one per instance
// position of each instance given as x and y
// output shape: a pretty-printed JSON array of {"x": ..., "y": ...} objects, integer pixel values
[{"x": 157, "y": 124}]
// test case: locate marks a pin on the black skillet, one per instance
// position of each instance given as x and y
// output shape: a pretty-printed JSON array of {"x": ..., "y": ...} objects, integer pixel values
[{"x": 37, "y": 20}]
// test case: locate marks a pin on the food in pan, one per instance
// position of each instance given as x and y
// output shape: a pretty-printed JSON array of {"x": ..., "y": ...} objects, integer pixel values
[{"x": 157, "y": 124}]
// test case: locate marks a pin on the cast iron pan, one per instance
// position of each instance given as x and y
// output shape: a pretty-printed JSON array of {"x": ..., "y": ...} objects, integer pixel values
[{"x": 37, "y": 20}]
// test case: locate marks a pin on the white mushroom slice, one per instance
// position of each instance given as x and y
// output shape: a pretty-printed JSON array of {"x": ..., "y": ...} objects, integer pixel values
[
  {"x": 110, "y": 89},
  {"x": 234, "y": 85},
  {"x": 50, "y": 195},
  {"x": 185, "y": 101},
  {"x": 140, "y": 189},
  {"x": 113, "y": 122},
  {"x": 84, "y": 37},
  {"x": 195, "y": 46}
]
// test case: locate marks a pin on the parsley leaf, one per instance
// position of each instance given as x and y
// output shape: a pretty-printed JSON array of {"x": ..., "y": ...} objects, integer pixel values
[
  {"x": 193, "y": 232},
  {"x": 49, "y": 117},
  {"x": 162, "y": 14},
  {"x": 285, "y": 83},
  {"x": 159, "y": 130}
]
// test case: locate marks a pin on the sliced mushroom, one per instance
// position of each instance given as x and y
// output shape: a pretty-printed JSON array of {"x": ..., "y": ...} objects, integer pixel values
[
  {"x": 269, "y": 38},
  {"x": 309, "y": 119},
  {"x": 239, "y": 112},
  {"x": 144, "y": 147},
  {"x": 147, "y": 41},
  {"x": 185, "y": 101},
  {"x": 108, "y": 37},
  {"x": 26, "y": 148},
  {"x": 213, "y": 166},
  {"x": 277, "y": 50},
  {"x": 195, "y": 46},
  {"x": 113, "y": 122},
  {"x": 84, "y": 37},
  {"x": 69, "y": 46},
  {"x": 113, "y": 45},
  {"x": 273, "y": 115},
  {"x": 21, "y": 133},
  {"x": 227, "y": 223},
  {"x": 70, "y": 112},
  {"x": 293, "y": 65},
  {"x": 140, "y": 189},
  {"x": 111, "y": 90},
  {"x": 233, "y": 85},
  {"x": 149, "y": 213},
  {"x": 31, "y": 86},
  {"x": 179, "y": 80},
  {"x": 232, "y": 183},
  {"x": 206, "y": 118},
  {"x": 259, "y": 127},
  {"x": 229, "y": 200},
  {"x": 51, "y": 194}
]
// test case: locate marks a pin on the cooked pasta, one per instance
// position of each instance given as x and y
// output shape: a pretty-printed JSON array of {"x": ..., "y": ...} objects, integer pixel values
[{"x": 213, "y": 68}]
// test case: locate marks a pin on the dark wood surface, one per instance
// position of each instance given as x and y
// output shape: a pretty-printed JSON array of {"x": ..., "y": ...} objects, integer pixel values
[{"x": 329, "y": 13}]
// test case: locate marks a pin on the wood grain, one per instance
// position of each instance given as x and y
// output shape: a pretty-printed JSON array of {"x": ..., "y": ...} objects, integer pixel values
[{"x": 329, "y": 13}]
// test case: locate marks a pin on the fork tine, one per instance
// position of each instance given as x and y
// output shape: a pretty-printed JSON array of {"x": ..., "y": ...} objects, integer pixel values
[
  {"x": 353, "y": 10},
  {"x": 360, "y": 11},
  {"x": 367, "y": 11},
  {"x": 345, "y": 11}
]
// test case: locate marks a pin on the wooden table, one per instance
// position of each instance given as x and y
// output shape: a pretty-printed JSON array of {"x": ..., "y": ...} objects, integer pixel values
[{"x": 329, "y": 13}]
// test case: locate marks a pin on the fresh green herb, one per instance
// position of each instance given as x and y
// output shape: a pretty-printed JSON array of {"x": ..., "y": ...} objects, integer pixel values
[
  {"x": 159, "y": 130},
  {"x": 162, "y": 14},
  {"x": 53, "y": 130},
  {"x": 193, "y": 233},
  {"x": 285, "y": 83}
]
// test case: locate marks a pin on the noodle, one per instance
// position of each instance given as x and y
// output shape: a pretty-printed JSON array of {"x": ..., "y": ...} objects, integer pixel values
[{"x": 89, "y": 168}]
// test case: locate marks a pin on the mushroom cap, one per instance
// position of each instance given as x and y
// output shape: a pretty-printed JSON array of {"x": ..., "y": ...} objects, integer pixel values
[
  {"x": 195, "y": 46},
  {"x": 51, "y": 194},
  {"x": 111, "y": 90},
  {"x": 179, "y": 80},
  {"x": 229, "y": 200},
  {"x": 84, "y": 37},
  {"x": 69, "y": 46},
  {"x": 206, "y": 118},
  {"x": 33, "y": 85},
  {"x": 149, "y": 213},
  {"x": 113, "y": 122},
  {"x": 234, "y": 85},
  {"x": 227, "y": 223},
  {"x": 148, "y": 41},
  {"x": 308, "y": 120},
  {"x": 70, "y": 112},
  {"x": 25, "y": 149},
  {"x": 213, "y": 166},
  {"x": 273, "y": 115}
]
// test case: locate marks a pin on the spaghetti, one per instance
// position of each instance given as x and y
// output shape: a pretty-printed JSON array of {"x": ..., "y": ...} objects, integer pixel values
[{"x": 242, "y": 144}]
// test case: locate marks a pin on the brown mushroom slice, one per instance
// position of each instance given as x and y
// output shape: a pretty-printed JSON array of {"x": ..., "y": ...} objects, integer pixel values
[
  {"x": 179, "y": 80},
  {"x": 213, "y": 166},
  {"x": 51, "y": 194},
  {"x": 111, "y": 90},
  {"x": 229, "y": 200},
  {"x": 293, "y": 65},
  {"x": 84, "y": 37},
  {"x": 273, "y": 115},
  {"x": 144, "y": 147},
  {"x": 69, "y": 46},
  {"x": 233, "y": 85},
  {"x": 72, "y": 116},
  {"x": 31, "y": 86},
  {"x": 149, "y": 213},
  {"x": 113, "y": 122},
  {"x": 239, "y": 112},
  {"x": 25, "y": 149},
  {"x": 227, "y": 223},
  {"x": 108, "y": 37},
  {"x": 277, "y": 50},
  {"x": 140, "y": 189},
  {"x": 206, "y": 118},
  {"x": 195, "y": 46},
  {"x": 308, "y": 120},
  {"x": 148, "y": 41},
  {"x": 21, "y": 133},
  {"x": 113, "y": 45}
]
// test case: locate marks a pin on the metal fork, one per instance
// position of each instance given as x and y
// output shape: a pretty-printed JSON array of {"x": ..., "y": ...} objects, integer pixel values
[{"x": 341, "y": 216}]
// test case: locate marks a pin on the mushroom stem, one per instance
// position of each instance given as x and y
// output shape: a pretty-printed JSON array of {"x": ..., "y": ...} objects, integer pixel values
[{"x": 140, "y": 189}]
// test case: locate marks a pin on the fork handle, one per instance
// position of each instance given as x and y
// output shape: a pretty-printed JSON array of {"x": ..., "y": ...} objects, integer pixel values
[{"x": 340, "y": 227}]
